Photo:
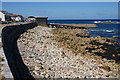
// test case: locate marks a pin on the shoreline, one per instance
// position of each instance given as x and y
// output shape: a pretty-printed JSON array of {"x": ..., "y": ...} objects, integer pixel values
[
  {"x": 45, "y": 56},
  {"x": 74, "y": 39}
]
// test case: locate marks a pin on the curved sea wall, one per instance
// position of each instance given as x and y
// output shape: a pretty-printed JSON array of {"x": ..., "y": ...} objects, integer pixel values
[
  {"x": 10, "y": 34},
  {"x": 44, "y": 57}
]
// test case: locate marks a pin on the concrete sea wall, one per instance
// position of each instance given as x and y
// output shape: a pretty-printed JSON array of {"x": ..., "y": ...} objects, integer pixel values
[{"x": 10, "y": 34}]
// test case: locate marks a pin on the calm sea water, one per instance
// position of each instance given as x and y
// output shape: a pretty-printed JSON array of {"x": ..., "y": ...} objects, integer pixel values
[{"x": 108, "y": 30}]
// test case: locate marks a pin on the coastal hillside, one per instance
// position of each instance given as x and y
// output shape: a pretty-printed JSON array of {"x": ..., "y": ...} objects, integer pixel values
[{"x": 67, "y": 53}]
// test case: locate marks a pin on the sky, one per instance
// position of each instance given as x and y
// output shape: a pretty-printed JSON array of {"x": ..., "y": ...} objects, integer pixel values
[{"x": 64, "y": 10}]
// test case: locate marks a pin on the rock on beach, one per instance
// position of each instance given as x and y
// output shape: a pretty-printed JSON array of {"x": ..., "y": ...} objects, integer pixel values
[{"x": 45, "y": 58}]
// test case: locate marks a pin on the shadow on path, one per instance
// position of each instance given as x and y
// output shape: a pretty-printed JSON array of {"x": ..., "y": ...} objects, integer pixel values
[{"x": 10, "y": 35}]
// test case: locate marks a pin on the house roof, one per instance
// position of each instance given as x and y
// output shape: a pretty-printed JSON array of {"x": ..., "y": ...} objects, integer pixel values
[
  {"x": 41, "y": 17},
  {"x": 31, "y": 17},
  {"x": 10, "y": 14}
]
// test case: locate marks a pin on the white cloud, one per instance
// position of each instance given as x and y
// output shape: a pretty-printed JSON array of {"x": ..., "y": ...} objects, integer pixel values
[{"x": 60, "y": 0}]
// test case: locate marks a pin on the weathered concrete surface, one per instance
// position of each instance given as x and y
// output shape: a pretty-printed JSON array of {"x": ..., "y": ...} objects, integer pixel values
[
  {"x": 5, "y": 68},
  {"x": 10, "y": 34}
]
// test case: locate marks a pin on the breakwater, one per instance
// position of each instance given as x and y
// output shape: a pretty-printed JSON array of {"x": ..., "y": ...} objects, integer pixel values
[
  {"x": 72, "y": 26},
  {"x": 10, "y": 34}
]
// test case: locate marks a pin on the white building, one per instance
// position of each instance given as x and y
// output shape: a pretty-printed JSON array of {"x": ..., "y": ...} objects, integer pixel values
[
  {"x": 2, "y": 16},
  {"x": 5, "y": 16},
  {"x": 18, "y": 18}
]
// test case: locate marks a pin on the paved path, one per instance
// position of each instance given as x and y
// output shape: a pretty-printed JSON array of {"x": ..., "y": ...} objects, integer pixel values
[
  {"x": 10, "y": 34},
  {"x": 5, "y": 68}
]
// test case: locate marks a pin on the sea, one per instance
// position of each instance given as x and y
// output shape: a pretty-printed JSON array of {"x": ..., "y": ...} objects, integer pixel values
[{"x": 107, "y": 30}]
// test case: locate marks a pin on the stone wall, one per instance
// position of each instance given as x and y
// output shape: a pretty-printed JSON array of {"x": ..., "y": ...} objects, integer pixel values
[{"x": 42, "y": 21}]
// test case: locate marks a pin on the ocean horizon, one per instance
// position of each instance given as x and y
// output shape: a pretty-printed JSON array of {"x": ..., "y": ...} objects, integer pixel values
[
  {"x": 107, "y": 30},
  {"x": 82, "y": 13}
]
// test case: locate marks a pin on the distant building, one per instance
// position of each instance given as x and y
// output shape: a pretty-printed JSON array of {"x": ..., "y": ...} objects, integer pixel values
[
  {"x": 42, "y": 20},
  {"x": 5, "y": 16},
  {"x": 17, "y": 18},
  {"x": 31, "y": 18}
]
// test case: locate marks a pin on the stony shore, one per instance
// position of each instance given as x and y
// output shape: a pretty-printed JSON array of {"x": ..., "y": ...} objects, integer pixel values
[{"x": 47, "y": 56}]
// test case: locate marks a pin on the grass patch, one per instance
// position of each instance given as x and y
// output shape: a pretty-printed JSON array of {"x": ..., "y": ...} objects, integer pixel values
[
  {"x": 1, "y": 76},
  {"x": 4, "y": 25}
]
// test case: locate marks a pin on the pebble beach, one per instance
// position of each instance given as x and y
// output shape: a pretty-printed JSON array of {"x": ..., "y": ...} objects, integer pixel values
[{"x": 46, "y": 58}]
